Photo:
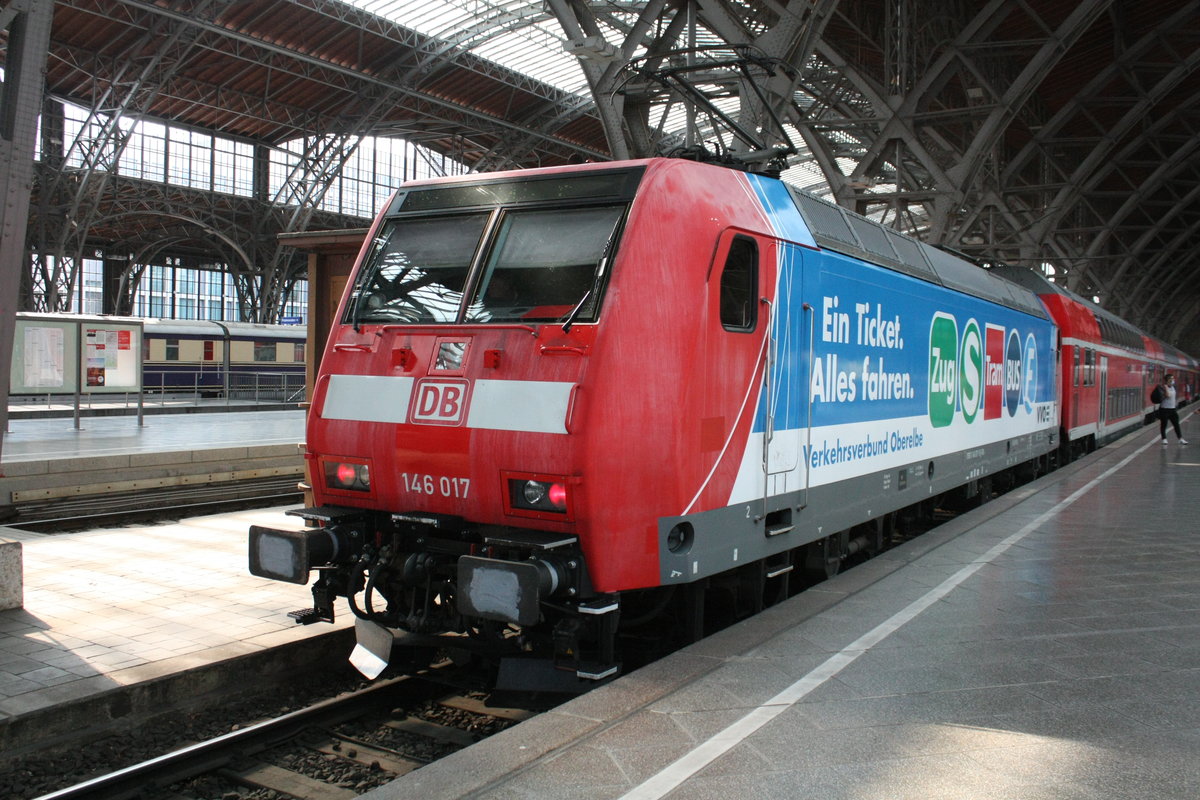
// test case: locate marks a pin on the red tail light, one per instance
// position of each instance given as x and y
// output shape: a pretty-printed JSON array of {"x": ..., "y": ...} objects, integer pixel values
[{"x": 346, "y": 474}]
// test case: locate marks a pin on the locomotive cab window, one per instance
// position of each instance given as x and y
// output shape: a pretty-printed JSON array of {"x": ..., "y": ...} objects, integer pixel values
[
  {"x": 545, "y": 265},
  {"x": 535, "y": 260},
  {"x": 739, "y": 285},
  {"x": 417, "y": 270}
]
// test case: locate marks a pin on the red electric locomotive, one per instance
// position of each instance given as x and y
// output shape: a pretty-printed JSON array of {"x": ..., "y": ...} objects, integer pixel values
[{"x": 561, "y": 401}]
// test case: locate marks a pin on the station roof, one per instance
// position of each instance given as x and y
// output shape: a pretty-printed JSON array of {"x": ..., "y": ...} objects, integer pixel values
[
  {"x": 276, "y": 70},
  {"x": 1050, "y": 131}
]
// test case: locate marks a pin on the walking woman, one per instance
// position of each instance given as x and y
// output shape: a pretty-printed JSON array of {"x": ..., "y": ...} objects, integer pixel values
[{"x": 1166, "y": 410}]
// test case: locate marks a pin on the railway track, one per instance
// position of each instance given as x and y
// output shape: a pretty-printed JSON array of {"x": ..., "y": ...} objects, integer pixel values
[
  {"x": 75, "y": 513},
  {"x": 333, "y": 750}
]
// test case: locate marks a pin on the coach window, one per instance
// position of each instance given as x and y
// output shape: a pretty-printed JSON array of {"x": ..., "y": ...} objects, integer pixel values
[
  {"x": 1075, "y": 350},
  {"x": 264, "y": 351},
  {"x": 1089, "y": 367},
  {"x": 172, "y": 351},
  {"x": 208, "y": 350},
  {"x": 739, "y": 283}
]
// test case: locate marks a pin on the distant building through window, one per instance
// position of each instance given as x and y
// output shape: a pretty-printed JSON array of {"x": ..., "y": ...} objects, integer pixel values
[{"x": 171, "y": 154}]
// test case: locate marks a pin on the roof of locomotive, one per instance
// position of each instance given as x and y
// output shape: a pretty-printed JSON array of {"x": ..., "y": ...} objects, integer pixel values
[
  {"x": 833, "y": 227},
  {"x": 838, "y": 229}
]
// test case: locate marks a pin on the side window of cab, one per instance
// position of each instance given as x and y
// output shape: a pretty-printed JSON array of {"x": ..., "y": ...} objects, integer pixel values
[{"x": 739, "y": 286}]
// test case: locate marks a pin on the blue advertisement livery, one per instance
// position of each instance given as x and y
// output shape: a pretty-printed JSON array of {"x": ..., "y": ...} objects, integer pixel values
[{"x": 870, "y": 369}]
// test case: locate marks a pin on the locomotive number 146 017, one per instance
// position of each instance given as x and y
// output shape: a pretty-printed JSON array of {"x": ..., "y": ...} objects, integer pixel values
[{"x": 418, "y": 483}]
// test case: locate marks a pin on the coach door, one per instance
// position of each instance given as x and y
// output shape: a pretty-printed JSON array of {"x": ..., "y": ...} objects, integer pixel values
[
  {"x": 786, "y": 374},
  {"x": 1102, "y": 418}
]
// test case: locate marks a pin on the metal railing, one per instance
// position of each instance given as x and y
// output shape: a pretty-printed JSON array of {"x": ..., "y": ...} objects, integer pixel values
[
  {"x": 253, "y": 387},
  {"x": 247, "y": 388},
  {"x": 266, "y": 386}
]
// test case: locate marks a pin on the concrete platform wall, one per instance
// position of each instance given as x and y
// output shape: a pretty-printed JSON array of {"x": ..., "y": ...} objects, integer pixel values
[{"x": 35, "y": 481}]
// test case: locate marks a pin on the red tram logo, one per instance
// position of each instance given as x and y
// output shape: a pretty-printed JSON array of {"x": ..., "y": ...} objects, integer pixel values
[{"x": 439, "y": 402}]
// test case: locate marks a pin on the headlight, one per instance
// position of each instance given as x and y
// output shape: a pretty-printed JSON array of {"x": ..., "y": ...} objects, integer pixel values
[
  {"x": 539, "y": 495},
  {"x": 535, "y": 492},
  {"x": 347, "y": 476}
]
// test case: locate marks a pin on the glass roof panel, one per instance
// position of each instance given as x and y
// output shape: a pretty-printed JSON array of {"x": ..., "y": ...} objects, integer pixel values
[
  {"x": 525, "y": 37},
  {"x": 520, "y": 35}
]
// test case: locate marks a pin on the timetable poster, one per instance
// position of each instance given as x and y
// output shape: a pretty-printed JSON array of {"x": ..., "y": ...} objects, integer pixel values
[{"x": 43, "y": 350}]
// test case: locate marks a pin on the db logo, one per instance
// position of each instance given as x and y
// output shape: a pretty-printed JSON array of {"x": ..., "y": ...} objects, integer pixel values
[{"x": 439, "y": 402}]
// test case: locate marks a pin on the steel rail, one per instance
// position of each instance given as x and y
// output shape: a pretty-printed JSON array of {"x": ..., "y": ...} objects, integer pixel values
[
  {"x": 73, "y": 511},
  {"x": 162, "y": 771}
]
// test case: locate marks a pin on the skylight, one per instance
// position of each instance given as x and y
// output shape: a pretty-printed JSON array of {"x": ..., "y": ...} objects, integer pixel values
[
  {"x": 516, "y": 34},
  {"x": 525, "y": 37}
]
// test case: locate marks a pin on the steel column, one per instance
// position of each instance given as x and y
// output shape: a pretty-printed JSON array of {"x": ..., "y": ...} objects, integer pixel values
[{"x": 28, "y": 24}]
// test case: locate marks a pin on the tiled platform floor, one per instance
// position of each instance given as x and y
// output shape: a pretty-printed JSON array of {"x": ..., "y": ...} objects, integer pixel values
[
  {"x": 116, "y": 607},
  {"x": 1043, "y": 647}
]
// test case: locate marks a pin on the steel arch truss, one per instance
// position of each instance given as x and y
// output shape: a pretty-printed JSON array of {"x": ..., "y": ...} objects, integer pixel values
[
  {"x": 157, "y": 64},
  {"x": 1042, "y": 132}
]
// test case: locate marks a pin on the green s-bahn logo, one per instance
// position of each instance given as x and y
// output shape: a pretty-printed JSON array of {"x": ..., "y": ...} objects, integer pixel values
[
  {"x": 955, "y": 370},
  {"x": 971, "y": 371}
]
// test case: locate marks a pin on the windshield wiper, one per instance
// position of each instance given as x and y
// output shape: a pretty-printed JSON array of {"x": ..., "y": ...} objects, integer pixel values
[
  {"x": 601, "y": 269},
  {"x": 354, "y": 310},
  {"x": 570, "y": 320}
]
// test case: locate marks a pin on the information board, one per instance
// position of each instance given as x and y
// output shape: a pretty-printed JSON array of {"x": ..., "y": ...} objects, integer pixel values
[
  {"x": 111, "y": 359},
  {"x": 63, "y": 355}
]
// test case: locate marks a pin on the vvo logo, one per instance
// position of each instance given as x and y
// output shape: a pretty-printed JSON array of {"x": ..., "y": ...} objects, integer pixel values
[
  {"x": 439, "y": 402},
  {"x": 983, "y": 368}
]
